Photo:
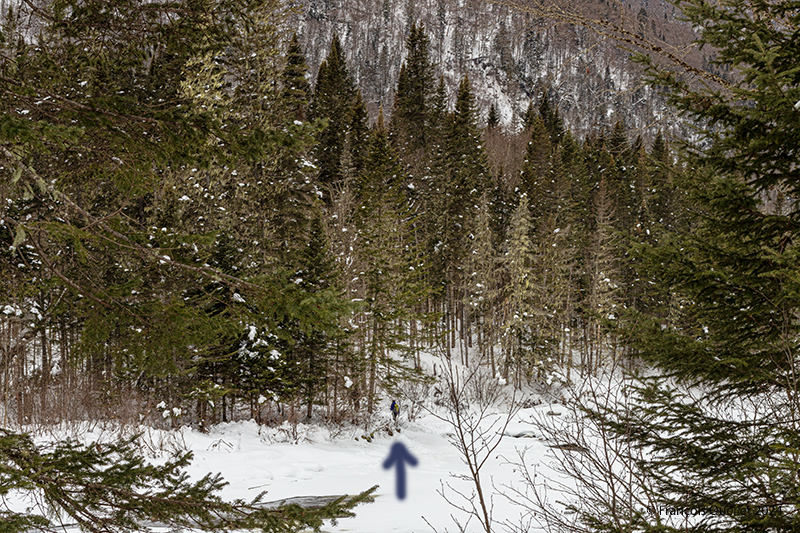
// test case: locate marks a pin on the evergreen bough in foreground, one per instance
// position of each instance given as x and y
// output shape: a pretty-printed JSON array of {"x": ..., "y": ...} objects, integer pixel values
[
  {"x": 107, "y": 488},
  {"x": 711, "y": 443},
  {"x": 718, "y": 432}
]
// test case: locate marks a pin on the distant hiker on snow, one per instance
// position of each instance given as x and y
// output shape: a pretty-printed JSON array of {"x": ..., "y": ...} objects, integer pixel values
[{"x": 395, "y": 410}]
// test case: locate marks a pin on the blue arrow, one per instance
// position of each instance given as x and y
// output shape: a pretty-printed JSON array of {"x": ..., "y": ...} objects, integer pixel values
[{"x": 399, "y": 455}]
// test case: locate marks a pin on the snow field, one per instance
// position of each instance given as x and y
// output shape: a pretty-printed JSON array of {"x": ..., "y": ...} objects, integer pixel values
[
  {"x": 314, "y": 460},
  {"x": 319, "y": 465}
]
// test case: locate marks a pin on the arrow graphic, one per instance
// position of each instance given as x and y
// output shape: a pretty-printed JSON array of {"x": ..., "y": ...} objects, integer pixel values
[{"x": 399, "y": 455}]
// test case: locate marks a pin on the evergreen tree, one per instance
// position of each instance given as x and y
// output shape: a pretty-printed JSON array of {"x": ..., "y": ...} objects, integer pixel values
[
  {"x": 438, "y": 118},
  {"x": 529, "y": 116},
  {"x": 359, "y": 135},
  {"x": 253, "y": 66},
  {"x": 621, "y": 175},
  {"x": 602, "y": 282},
  {"x": 482, "y": 283},
  {"x": 464, "y": 151},
  {"x": 296, "y": 90},
  {"x": 100, "y": 161},
  {"x": 149, "y": 210},
  {"x": 551, "y": 118},
  {"x": 460, "y": 178},
  {"x": 410, "y": 121},
  {"x": 108, "y": 488},
  {"x": 502, "y": 205},
  {"x": 389, "y": 282},
  {"x": 717, "y": 430},
  {"x": 493, "y": 119},
  {"x": 578, "y": 187},
  {"x": 665, "y": 197},
  {"x": 334, "y": 95},
  {"x": 519, "y": 325},
  {"x": 537, "y": 177},
  {"x": 311, "y": 345}
]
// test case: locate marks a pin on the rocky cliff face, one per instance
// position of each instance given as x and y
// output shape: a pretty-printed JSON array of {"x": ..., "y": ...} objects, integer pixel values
[{"x": 510, "y": 56}]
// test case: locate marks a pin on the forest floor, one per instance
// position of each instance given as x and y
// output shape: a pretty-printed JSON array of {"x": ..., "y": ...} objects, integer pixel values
[
  {"x": 320, "y": 465},
  {"x": 314, "y": 460}
]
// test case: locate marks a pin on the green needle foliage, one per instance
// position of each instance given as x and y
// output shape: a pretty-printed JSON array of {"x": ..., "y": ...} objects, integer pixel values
[
  {"x": 719, "y": 432},
  {"x": 110, "y": 488},
  {"x": 140, "y": 145}
]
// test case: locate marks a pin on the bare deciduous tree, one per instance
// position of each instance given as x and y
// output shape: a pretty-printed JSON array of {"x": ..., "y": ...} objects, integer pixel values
[
  {"x": 478, "y": 408},
  {"x": 592, "y": 472}
]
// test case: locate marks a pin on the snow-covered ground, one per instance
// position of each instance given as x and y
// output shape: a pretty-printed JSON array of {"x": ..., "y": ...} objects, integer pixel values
[
  {"x": 316, "y": 460},
  {"x": 312, "y": 461},
  {"x": 319, "y": 464}
]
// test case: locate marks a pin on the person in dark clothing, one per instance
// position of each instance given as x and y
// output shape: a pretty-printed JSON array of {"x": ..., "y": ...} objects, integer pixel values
[{"x": 395, "y": 410}]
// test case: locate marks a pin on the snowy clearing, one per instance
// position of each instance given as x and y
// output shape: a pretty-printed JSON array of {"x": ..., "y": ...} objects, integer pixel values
[{"x": 310, "y": 461}]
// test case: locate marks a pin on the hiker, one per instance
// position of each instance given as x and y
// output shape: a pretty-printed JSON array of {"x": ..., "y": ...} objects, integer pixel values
[{"x": 395, "y": 410}]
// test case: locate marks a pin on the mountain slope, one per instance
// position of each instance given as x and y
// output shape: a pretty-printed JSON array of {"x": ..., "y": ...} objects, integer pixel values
[{"x": 510, "y": 56}]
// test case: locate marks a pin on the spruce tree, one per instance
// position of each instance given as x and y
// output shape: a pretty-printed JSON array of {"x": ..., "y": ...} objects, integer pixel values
[
  {"x": 150, "y": 189},
  {"x": 529, "y": 116},
  {"x": 110, "y": 488},
  {"x": 520, "y": 327},
  {"x": 389, "y": 282},
  {"x": 438, "y": 118},
  {"x": 103, "y": 161},
  {"x": 483, "y": 286},
  {"x": 359, "y": 135},
  {"x": 665, "y": 197},
  {"x": 718, "y": 430},
  {"x": 602, "y": 282},
  {"x": 459, "y": 179},
  {"x": 296, "y": 89},
  {"x": 334, "y": 94},
  {"x": 464, "y": 151},
  {"x": 492, "y": 119},
  {"x": 311, "y": 346},
  {"x": 536, "y": 176},
  {"x": 551, "y": 118},
  {"x": 410, "y": 122}
]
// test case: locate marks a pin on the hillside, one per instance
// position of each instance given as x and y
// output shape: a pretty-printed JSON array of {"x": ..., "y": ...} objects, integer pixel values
[{"x": 509, "y": 55}]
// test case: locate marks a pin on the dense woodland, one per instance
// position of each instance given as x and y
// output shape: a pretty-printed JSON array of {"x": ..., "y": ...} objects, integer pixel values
[{"x": 194, "y": 232}]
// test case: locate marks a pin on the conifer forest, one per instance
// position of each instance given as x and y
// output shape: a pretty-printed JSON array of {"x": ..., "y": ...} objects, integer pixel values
[
  {"x": 196, "y": 227},
  {"x": 188, "y": 219}
]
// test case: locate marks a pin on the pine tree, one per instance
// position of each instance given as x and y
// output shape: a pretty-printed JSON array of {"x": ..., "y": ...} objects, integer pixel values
[
  {"x": 253, "y": 65},
  {"x": 130, "y": 120},
  {"x": 622, "y": 175}
]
